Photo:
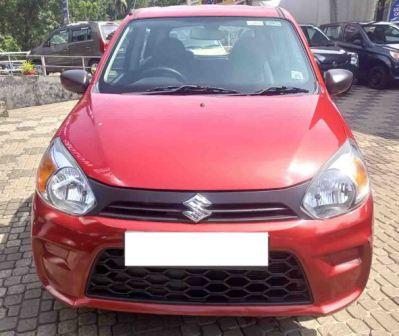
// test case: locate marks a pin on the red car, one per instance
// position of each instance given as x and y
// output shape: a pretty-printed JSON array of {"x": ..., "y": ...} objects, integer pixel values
[{"x": 205, "y": 171}]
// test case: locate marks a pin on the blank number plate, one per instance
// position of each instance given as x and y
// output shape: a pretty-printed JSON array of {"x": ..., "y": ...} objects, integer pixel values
[{"x": 196, "y": 249}]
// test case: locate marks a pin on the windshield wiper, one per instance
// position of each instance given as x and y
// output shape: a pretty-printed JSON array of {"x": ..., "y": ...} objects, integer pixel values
[
  {"x": 189, "y": 89},
  {"x": 278, "y": 90}
]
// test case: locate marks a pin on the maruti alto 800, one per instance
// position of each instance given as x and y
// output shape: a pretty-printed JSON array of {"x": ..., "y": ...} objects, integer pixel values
[{"x": 205, "y": 171}]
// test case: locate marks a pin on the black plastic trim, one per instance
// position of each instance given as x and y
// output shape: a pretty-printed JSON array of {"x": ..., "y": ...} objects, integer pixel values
[
  {"x": 288, "y": 198},
  {"x": 309, "y": 300}
]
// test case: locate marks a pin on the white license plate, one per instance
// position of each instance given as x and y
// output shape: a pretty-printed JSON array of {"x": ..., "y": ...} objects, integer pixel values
[{"x": 196, "y": 249}]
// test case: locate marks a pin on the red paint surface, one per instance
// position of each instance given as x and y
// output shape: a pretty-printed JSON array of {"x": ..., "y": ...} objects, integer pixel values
[{"x": 231, "y": 143}]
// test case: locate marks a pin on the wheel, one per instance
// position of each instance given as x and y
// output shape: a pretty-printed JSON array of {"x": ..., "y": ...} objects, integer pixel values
[{"x": 378, "y": 77}]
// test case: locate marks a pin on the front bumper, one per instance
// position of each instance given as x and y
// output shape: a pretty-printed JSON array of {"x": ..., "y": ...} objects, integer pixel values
[
  {"x": 335, "y": 255},
  {"x": 395, "y": 71}
]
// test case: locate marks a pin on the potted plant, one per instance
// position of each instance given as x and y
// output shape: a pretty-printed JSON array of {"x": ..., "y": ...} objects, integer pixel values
[{"x": 28, "y": 68}]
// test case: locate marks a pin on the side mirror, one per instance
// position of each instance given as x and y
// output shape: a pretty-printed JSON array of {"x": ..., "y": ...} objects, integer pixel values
[
  {"x": 75, "y": 81},
  {"x": 338, "y": 81}
]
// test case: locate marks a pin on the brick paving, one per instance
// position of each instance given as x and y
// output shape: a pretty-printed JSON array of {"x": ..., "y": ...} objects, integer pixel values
[{"x": 27, "y": 309}]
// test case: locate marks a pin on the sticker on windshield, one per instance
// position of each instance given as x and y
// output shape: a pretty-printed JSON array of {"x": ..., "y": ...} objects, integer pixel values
[
  {"x": 255, "y": 23},
  {"x": 297, "y": 75},
  {"x": 273, "y": 23}
]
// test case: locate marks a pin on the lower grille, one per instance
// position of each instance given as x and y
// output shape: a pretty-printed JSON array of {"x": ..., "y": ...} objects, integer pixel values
[{"x": 282, "y": 282}]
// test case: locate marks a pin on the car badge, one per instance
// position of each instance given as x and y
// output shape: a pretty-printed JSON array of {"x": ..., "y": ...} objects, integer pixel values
[{"x": 197, "y": 205}]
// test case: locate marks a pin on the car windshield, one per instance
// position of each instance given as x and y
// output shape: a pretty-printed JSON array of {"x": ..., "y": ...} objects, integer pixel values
[
  {"x": 315, "y": 37},
  {"x": 383, "y": 34},
  {"x": 225, "y": 54}
]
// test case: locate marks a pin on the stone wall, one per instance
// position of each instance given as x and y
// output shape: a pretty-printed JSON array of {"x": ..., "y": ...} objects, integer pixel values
[{"x": 23, "y": 91}]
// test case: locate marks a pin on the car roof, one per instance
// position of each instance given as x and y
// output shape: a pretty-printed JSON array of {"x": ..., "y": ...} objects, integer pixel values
[
  {"x": 206, "y": 10},
  {"x": 81, "y": 23},
  {"x": 374, "y": 23}
]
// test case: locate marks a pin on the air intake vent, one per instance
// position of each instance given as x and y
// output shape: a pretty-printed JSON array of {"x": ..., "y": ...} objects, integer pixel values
[{"x": 283, "y": 282}]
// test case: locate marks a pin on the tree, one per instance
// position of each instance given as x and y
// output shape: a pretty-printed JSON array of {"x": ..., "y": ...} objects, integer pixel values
[
  {"x": 88, "y": 10},
  {"x": 28, "y": 21},
  {"x": 120, "y": 8},
  {"x": 8, "y": 43}
]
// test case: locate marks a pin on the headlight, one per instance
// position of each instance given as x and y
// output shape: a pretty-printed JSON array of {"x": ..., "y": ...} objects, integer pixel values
[
  {"x": 340, "y": 185},
  {"x": 354, "y": 58},
  {"x": 395, "y": 55},
  {"x": 320, "y": 58},
  {"x": 61, "y": 183}
]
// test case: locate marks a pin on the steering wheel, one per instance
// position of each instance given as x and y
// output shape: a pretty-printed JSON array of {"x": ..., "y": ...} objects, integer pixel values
[{"x": 163, "y": 70}]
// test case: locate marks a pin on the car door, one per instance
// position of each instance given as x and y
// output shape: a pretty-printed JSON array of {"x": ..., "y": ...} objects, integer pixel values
[
  {"x": 81, "y": 44},
  {"x": 334, "y": 32},
  {"x": 355, "y": 40},
  {"x": 57, "y": 44}
]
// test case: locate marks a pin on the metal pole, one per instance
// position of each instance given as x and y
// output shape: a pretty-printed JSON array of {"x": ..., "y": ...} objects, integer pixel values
[
  {"x": 65, "y": 11},
  {"x": 10, "y": 64},
  {"x": 43, "y": 65},
  {"x": 83, "y": 63}
]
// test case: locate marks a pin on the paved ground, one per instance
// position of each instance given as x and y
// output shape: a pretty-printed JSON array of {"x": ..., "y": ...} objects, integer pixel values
[{"x": 27, "y": 309}]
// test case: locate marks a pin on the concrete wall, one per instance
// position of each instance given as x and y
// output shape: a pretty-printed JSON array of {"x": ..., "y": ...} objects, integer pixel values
[
  {"x": 326, "y": 11},
  {"x": 23, "y": 91}
]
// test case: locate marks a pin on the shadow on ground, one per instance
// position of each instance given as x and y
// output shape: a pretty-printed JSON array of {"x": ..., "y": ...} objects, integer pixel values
[{"x": 373, "y": 112}]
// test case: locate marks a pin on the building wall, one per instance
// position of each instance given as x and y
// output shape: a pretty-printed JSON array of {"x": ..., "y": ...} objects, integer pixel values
[{"x": 326, "y": 11}]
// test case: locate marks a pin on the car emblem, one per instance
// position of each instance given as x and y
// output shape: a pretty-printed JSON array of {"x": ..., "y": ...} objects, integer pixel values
[{"x": 198, "y": 205}]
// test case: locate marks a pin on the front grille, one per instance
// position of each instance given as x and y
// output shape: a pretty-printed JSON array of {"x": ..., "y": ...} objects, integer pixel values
[
  {"x": 220, "y": 212},
  {"x": 282, "y": 282}
]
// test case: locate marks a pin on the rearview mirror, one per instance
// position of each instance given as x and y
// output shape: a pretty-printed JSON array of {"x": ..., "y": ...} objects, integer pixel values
[
  {"x": 75, "y": 81},
  {"x": 338, "y": 81}
]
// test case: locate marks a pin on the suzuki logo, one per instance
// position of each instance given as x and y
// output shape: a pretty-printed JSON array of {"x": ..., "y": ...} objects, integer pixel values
[{"x": 198, "y": 205}]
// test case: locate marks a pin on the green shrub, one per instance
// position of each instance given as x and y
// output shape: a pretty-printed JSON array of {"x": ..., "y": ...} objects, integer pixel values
[
  {"x": 8, "y": 43},
  {"x": 28, "y": 68}
]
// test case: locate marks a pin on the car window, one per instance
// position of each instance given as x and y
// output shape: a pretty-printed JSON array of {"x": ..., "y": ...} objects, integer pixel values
[
  {"x": 59, "y": 38},
  {"x": 315, "y": 37},
  {"x": 81, "y": 34},
  {"x": 352, "y": 34},
  {"x": 242, "y": 54},
  {"x": 107, "y": 29},
  {"x": 333, "y": 32},
  {"x": 382, "y": 34}
]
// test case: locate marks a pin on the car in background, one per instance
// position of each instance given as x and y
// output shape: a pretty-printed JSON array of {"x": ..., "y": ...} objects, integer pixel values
[
  {"x": 87, "y": 39},
  {"x": 377, "y": 44},
  {"x": 327, "y": 54}
]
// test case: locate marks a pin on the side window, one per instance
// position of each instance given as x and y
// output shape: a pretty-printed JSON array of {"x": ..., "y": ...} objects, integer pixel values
[
  {"x": 333, "y": 32},
  {"x": 353, "y": 35},
  {"x": 82, "y": 34},
  {"x": 59, "y": 38}
]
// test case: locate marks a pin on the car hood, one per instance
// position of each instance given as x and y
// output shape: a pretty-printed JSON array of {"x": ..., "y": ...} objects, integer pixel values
[
  {"x": 203, "y": 142},
  {"x": 331, "y": 54},
  {"x": 394, "y": 47}
]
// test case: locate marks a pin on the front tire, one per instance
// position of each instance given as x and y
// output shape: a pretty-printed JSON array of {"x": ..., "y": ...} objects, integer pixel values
[{"x": 378, "y": 77}]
